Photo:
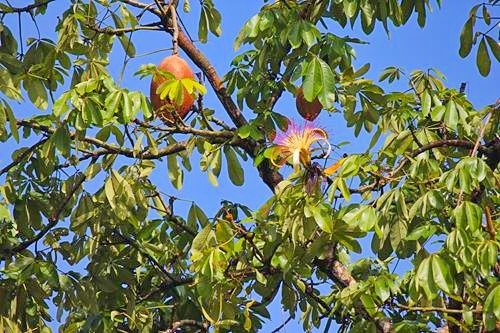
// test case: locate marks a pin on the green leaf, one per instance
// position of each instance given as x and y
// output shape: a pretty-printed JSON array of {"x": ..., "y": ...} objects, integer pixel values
[
  {"x": 322, "y": 216},
  {"x": 407, "y": 7},
  {"x": 486, "y": 15},
  {"x": 247, "y": 324},
  {"x": 426, "y": 103},
  {"x": 261, "y": 278},
  {"x": 236, "y": 174},
  {"x": 186, "y": 7},
  {"x": 36, "y": 92},
  {"x": 175, "y": 173},
  {"x": 425, "y": 279},
  {"x": 363, "y": 217},
  {"x": 350, "y": 8},
  {"x": 294, "y": 35},
  {"x": 381, "y": 289},
  {"x": 466, "y": 39},
  {"x": 491, "y": 311},
  {"x": 398, "y": 232},
  {"x": 203, "y": 25},
  {"x": 451, "y": 115},
  {"x": 60, "y": 106},
  {"x": 420, "y": 9},
  {"x": 468, "y": 214},
  {"x": 128, "y": 16},
  {"x": 309, "y": 33},
  {"x": 494, "y": 47},
  {"x": 83, "y": 213},
  {"x": 86, "y": 87},
  {"x": 319, "y": 82},
  {"x": 214, "y": 22},
  {"x": 202, "y": 239},
  {"x": 369, "y": 304},
  {"x": 250, "y": 29},
  {"x": 62, "y": 140},
  {"x": 112, "y": 102},
  {"x": 173, "y": 90},
  {"x": 344, "y": 189},
  {"x": 443, "y": 277},
  {"x": 12, "y": 121},
  {"x": 127, "y": 111},
  {"x": 423, "y": 231},
  {"x": 438, "y": 112},
  {"x": 483, "y": 60}
]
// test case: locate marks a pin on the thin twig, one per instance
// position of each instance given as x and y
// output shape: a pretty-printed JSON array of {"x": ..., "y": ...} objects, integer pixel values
[
  {"x": 52, "y": 220},
  {"x": 277, "y": 329},
  {"x": 436, "y": 144},
  {"x": 474, "y": 150},
  {"x": 21, "y": 156},
  {"x": 435, "y": 309},
  {"x": 155, "y": 26},
  {"x": 215, "y": 137},
  {"x": 153, "y": 261},
  {"x": 26, "y": 8}
]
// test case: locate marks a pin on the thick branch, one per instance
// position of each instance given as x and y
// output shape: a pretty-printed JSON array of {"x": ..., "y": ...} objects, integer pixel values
[{"x": 339, "y": 273}]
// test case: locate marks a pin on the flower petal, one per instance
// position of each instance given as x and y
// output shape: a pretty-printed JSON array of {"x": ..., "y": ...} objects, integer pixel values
[{"x": 334, "y": 167}]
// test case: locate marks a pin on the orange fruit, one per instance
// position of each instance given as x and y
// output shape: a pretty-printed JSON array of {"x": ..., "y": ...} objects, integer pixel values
[
  {"x": 164, "y": 108},
  {"x": 307, "y": 110}
]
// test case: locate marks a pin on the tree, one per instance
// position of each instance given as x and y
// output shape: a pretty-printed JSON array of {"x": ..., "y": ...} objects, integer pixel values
[{"x": 84, "y": 227}]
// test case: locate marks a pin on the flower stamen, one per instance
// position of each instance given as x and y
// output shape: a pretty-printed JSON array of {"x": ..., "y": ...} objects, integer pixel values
[{"x": 297, "y": 144}]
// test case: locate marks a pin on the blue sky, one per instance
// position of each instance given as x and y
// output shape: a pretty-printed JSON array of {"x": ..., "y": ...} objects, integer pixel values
[{"x": 409, "y": 47}]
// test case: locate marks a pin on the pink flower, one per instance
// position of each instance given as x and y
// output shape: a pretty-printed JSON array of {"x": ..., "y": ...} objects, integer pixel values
[{"x": 297, "y": 143}]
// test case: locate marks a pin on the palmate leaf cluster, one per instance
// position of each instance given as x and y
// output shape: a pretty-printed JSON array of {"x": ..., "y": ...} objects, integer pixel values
[{"x": 85, "y": 225}]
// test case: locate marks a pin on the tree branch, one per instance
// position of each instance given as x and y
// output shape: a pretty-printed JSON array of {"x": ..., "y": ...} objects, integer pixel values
[
  {"x": 339, "y": 273},
  {"x": 188, "y": 130},
  {"x": 154, "y": 262},
  {"x": 21, "y": 156},
  {"x": 277, "y": 329},
  {"x": 107, "y": 148},
  {"x": 26, "y": 8},
  {"x": 490, "y": 225},
  {"x": 155, "y": 26},
  {"x": 187, "y": 322},
  {"x": 434, "y": 309},
  {"x": 436, "y": 144},
  {"x": 52, "y": 220},
  {"x": 268, "y": 174}
]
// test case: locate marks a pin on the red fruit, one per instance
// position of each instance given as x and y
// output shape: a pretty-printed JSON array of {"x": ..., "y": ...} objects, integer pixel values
[
  {"x": 307, "y": 110},
  {"x": 163, "y": 108}
]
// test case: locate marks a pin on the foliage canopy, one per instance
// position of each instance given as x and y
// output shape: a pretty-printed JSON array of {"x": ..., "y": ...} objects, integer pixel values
[{"x": 83, "y": 226}]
